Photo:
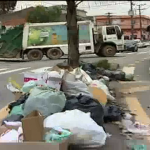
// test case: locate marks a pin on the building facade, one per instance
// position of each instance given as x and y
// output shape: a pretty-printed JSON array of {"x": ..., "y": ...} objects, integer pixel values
[{"x": 125, "y": 23}]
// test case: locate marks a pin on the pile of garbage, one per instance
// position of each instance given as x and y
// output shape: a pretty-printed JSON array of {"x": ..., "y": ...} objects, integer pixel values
[{"x": 62, "y": 104}]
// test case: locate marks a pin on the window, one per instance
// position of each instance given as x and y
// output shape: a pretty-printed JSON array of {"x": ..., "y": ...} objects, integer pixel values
[
  {"x": 110, "y": 30},
  {"x": 134, "y": 36},
  {"x": 126, "y": 37}
]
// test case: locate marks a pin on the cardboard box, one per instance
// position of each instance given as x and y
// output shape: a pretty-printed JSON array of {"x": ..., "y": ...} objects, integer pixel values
[{"x": 33, "y": 129}]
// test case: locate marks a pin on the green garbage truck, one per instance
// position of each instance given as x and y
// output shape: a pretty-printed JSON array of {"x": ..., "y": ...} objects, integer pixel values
[{"x": 50, "y": 39}]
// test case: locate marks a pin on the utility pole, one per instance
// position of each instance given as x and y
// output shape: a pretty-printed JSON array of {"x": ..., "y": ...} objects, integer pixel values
[
  {"x": 140, "y": 19},
  {"x": 132, "y": 23},
  {"x": 109, "y": 17}
]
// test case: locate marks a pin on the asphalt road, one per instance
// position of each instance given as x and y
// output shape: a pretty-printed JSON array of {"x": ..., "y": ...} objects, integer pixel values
[{"x": 140, "y": 60}]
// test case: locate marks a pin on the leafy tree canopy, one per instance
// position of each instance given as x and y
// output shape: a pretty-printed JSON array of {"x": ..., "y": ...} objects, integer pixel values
[
  {"x": 43, "y": 14},
  {"x": 6, "y": 6}
]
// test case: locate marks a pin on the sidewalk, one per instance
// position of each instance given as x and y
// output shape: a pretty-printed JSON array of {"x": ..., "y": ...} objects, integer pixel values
[{"x": 131, "y": 100}]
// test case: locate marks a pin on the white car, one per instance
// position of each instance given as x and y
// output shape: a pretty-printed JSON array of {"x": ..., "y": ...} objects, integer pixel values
[
  {"x": 146, "y": 43},
  {"x": 140, "y": 44}
]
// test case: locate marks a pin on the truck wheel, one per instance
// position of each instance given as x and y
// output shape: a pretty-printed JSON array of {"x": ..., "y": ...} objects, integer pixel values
[
  {"x": 35, "y": 54},
  {"x": 54, "y": 53},
  {"x": 109, "y": 51}
]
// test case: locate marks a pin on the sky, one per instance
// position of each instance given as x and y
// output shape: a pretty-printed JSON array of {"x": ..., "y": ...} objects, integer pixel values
[{"x": 94, "y": 8}]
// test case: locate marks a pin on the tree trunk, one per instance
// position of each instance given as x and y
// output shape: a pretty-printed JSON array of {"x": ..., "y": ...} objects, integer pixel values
[{"x": 73, "y": 35}]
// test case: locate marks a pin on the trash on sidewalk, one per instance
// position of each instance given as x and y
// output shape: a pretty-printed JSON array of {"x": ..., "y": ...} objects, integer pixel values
[
  {"x": 57, "y": 134},
  {"x": 134, "y": 126},
  {"x": 45, "y": 100},
  {"x": 112, "y": 113},
  {"x": 83, "y": 128},
  {"x": 61, "y": 105},
  {"x": 86, "y": 104}
]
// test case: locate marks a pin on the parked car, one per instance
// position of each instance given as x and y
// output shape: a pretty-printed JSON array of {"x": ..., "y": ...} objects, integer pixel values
[
  {"x": 146, "y": 44},
  {"x": 131, "y": 45},
  {"x": 140, "y": 44}
]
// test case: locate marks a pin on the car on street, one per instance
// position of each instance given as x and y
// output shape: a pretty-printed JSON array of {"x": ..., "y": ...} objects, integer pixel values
[
  {"x": 140, "y": 44},
  {"x": 146, "y": 44},
  {"x": 131, "y": 45}
]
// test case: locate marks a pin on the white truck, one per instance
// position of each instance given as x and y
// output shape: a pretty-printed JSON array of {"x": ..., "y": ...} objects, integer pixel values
[{"x": 50, "y": 39}]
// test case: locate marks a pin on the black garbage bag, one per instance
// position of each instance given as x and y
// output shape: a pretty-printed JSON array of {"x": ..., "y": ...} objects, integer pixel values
[
  {"x": 13, "y": 118},
  {"x": 86, "y": 104},
  {"x": 112, "y": 113},
  {"x": 114, "y": 75},
  {"x": 21, "y": 100},
  {"x": 119, "y": 75},
  {"x": 90, "y": 70},
  {"x": 89, "y": 67}
]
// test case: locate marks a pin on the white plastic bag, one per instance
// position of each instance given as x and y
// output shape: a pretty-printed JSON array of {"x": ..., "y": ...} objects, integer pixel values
[
  {"x": 82, "y": 75},
  {"x": 53, "y": 79},
  {"x": 99, "y": 84},
  {"x": 83, "y": 127},
  {"x": 75, "y": 88},
  {"x": 10, "y": 137}
]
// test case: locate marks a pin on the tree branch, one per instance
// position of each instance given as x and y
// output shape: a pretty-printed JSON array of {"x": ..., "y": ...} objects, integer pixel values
[{"x": 77, "y": 3}]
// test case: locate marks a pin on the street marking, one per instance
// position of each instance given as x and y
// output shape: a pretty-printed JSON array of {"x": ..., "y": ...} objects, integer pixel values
[
  {"x": 10, "y": 71},
  {"x": 135, "y": 89},
  {"x": 142, "y": 53},
  {"x": 39, "y": 70},
  {"x": 137, "y": 61},
  {"x": 3, "y": 69},
  {"x": 131, "y": 65},
  {"x": 130, "y": 53},
  {"x": 135, "y": 107}
]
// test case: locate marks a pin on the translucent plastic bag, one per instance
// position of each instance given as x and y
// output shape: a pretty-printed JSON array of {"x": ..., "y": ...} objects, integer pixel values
[
  {"x": 45, "y": 100},
  {"x": 84, "y": 128},
  {"x": 75, "y": 88}
]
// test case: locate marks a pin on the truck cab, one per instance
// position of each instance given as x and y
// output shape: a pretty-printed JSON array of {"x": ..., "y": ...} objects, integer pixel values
[{"x": 108, "y": 40}]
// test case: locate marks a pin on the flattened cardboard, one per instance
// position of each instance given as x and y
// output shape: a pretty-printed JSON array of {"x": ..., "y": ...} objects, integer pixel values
[
  {"x": 17, "y": 95},
  {"x": 98, "y": 94},
  {"x": 34, "y": 146},
  {"x": 33, "y": 127},
  {"x": 4, "y": 112}
]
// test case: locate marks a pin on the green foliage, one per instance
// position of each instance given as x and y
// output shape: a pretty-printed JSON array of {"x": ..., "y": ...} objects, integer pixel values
[
  {"x": 6, "y": 6},
  {"x": 43, "y": 14},
  {"x": 103, "y": 64}
]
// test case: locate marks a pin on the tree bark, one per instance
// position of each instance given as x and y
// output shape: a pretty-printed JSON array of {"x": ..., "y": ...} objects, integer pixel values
[{"x": 73, "y": 34}]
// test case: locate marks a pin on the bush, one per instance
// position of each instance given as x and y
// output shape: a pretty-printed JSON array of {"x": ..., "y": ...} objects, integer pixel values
[{"x": 103, "y": 64}]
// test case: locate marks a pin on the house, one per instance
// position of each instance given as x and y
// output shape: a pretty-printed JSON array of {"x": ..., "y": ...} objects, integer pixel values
[
  {"x": 125, "y": 23},
  {"x": 15, "y": 18}
]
